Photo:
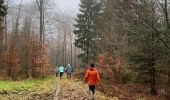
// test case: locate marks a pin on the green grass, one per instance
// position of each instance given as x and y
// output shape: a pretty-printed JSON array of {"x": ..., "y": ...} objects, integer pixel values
[{"x": 34, "y": 85}]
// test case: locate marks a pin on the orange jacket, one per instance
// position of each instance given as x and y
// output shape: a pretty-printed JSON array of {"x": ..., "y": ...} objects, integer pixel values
[{"x": 92, "y": 76}]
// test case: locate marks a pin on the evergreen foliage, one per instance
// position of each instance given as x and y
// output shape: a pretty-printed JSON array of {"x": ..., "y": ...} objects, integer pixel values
[
  {"x": 3, "y": 9},
  {"x": 85, "y": 28}
]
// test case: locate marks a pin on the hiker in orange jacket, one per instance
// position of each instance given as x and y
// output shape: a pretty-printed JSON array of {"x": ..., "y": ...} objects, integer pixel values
[{"x": 92, "y": 78}]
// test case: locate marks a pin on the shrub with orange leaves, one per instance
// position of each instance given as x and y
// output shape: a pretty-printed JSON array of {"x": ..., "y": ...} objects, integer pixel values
[
  {"x": 111, "y": 64},
  {"x": 11, "y": 58},
  {"x": 41, "y": 62}
]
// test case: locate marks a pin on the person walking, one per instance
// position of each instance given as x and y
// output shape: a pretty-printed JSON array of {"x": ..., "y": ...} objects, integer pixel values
[
  {"x": 69, "y": 70},
  {"x": 92, "y": 78},
  {"x": 56, "y": 71},
  {"x": 61, "y": 71}
]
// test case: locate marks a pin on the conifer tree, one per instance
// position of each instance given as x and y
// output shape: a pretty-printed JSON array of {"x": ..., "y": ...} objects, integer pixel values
[
  {"x": 85, "y": 31},
  {"x": 3, "y": 9},
  {"x": 3, "y": 12}
]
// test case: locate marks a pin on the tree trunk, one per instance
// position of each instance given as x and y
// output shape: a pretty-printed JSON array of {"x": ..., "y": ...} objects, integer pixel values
[
  {"x": 26, "y": 59},
  {"x": 41, "y": 19},
  {"x": 9, "y": 70},
  {"x": 152, "y": 77},
  {"x": 167, "y": 87},
  {"x": 71, "y": 53},
  {"x": 17, "y": 22},
  {"x": 58, "y": 50},
  {"x": 152, "y": 68},
  {"x": 75, "y": 51},
  {"x": 71, "y": 47},
  {"x": 6, "y": 31},
  {"x": 32, "y": 70},
  {"x": 87, "y": 54},
  {"x": 1, "y": 38},
  {"x": 64, "y": 49}
]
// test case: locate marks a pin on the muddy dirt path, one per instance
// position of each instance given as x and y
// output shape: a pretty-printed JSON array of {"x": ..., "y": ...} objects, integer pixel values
[{"x": 74, "y": 89}]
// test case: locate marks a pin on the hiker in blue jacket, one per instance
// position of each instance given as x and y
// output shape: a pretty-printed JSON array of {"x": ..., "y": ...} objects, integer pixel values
[
  {"x": 69, "y": 70},
  {"x": 61, "y": 71}
]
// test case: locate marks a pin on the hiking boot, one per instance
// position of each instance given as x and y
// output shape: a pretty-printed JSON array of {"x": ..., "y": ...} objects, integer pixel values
[
  {"x": 88, "y": 92},
  {"x": 93, "y": 97}
]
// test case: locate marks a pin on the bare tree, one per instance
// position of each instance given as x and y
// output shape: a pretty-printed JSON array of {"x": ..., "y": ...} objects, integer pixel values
[
  {"x": 40, "y": 4},
  {"x": 6, "y": 30}
]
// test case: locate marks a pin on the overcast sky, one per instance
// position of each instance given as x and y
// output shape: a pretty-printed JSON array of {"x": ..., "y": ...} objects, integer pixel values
[
  {"x": 64, "y": 5},
  {"x": 72, "y": 5}
]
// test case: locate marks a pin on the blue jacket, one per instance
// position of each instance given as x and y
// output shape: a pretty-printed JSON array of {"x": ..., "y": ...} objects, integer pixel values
[
  {"x": 69, "y": 69},
  {"x": 61, "y": 69}
]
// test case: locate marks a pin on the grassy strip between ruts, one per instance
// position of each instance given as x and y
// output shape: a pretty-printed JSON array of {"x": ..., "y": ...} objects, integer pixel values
[{"x": 31, "y": 87}]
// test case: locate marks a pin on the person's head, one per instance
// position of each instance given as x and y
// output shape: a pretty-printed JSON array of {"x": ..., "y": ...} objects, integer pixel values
[
  {"x": 92, "y": 65},
  {"x": 68, "y": 64}
]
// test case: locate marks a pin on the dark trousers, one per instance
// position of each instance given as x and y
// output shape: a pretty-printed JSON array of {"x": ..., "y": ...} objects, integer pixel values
[
  {"x": 92, "y": 88},
  {"x": 56, "y": 74},
  {"x": 61, "y": 74},
  {"x": 68, "y": 75}
]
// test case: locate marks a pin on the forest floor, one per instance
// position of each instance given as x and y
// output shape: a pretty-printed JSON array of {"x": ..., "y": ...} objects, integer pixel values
[
  {"x": 33, "y": 89},
  {"x": 126, "y": 91},
  {"x": 50, "y": 88},
  {"x": 74, "y": 89}
]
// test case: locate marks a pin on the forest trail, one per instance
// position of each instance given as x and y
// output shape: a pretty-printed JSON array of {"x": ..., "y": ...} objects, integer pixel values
[{"x": 74, "y": 89}]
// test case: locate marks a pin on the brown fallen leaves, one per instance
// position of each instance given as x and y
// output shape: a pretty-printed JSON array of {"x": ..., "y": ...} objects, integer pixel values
[{"x": 74, "y": 89}]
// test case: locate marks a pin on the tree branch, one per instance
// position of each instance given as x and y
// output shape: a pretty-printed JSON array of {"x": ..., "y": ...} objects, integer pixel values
[
  {"x": 161, "y": 4},
  {"x": 165, "y": 12},
  {"x": 38, "y": 4},
  {"x": 156, "y": 32}
]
